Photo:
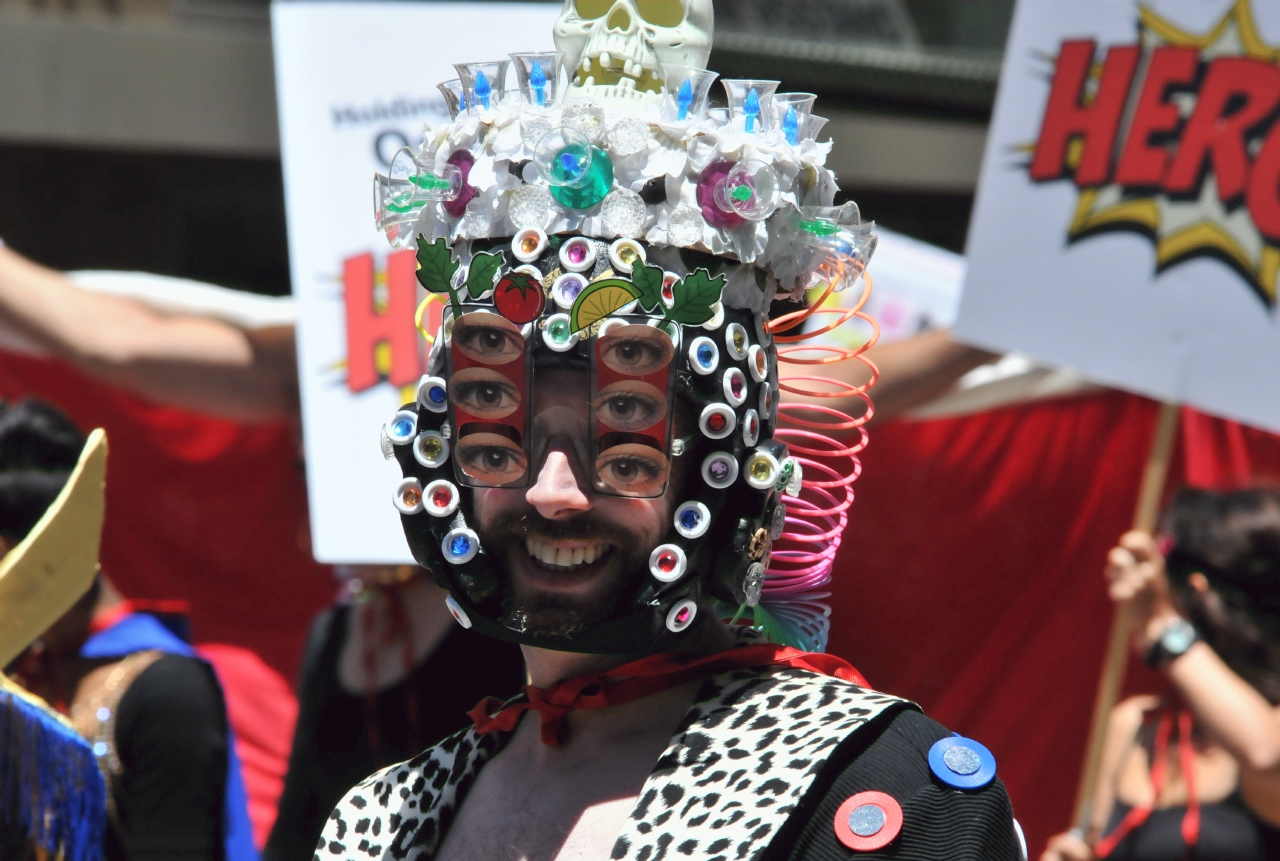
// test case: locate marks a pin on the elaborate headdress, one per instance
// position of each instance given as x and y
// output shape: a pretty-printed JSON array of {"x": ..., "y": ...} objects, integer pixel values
[{"x": 622, "y": 226}]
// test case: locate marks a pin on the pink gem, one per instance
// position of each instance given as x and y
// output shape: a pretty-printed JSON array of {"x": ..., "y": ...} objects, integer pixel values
[
  {"x": 735, "y": 385},
  {"x": 577, "y": 253},
  {"x": 682, "y": 617}
]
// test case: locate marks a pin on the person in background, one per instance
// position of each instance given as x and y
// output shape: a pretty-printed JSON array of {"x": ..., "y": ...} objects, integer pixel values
[
  {"x": 384, "y": 674},
  {"x": 1195, "y": 774},
  {"x": 153, "y": 713}
]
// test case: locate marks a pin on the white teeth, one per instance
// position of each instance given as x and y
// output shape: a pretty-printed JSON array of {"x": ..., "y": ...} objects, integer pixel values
[
  {"x": 590, "y": 81},
  {"x": 579, "y": 553},
  {"x": 605, "y": 60},
  {"x": 564, "y": 557},
  {"x": 586, "y": 64},
  {"x": 589, "y": 555},
  {"x": 548, "y": 555},
  {"x": 627, "y": 84}
]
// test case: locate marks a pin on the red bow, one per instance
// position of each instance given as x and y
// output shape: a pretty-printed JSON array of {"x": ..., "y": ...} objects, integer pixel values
[{"x": 640, "y": 679}]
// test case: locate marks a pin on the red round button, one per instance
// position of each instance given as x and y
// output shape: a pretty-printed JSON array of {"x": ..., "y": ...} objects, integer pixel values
[{"x": 868, "y": 821}]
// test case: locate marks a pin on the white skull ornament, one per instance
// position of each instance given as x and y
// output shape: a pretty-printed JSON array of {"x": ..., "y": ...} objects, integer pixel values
[{"x": 616, "y": 48}]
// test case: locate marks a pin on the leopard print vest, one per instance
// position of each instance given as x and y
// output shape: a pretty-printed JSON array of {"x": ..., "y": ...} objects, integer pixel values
[{"x": 740, "y": 762}]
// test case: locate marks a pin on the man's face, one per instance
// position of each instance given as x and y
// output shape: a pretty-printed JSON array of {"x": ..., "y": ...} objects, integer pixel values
[{"x": 570, "y": 552}]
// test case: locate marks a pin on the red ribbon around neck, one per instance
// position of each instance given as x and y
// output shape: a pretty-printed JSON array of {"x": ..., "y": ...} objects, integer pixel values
[{"x": 640, "y": 679}]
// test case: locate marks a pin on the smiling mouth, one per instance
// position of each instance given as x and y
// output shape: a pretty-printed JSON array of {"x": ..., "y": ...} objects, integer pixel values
[
  {"x": 607, "y": 71},
  {"x": 565, "y": 557}
]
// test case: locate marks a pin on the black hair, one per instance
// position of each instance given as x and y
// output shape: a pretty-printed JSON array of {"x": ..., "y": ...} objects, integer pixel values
[
  {"x": 1233, "y": 539},
  {"x": 39, "y": 446}
]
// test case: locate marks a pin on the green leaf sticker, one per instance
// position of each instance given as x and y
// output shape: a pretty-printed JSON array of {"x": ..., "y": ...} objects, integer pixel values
[
  {"x": 600, "y": 300},
  {"x": 695, "y": 296},
  {"x": 436, "y": 266},
  {"x": 648, "y": 282},
  {"x": 483, "y": 273}
]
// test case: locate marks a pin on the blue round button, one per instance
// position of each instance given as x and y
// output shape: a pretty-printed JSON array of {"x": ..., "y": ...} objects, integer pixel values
[{"x": 962, "y": 763}]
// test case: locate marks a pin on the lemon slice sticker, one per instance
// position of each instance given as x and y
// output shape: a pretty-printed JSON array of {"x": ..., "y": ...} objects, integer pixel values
[{"x": 600, "y": 300}]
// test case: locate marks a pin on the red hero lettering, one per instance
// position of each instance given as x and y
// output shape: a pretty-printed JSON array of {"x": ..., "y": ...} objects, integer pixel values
[
  {"x": 368, "y": 327},
  {"x": 1237, "y": 96},
  {"x": 1067, "y": 117}
]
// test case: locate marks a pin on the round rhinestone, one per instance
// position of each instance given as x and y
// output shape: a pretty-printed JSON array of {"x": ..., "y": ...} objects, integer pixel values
[
  {"x": 529, "y": 245},
  {"x": 736, "y": 385},
  {"x": 690, "y": 519},
  {"x": 411, "y": 498},
  {"x": 460, "y": 545},
  {"x": 719, "y": 470},
  {"x": 441, "y": 497},
  {"x": 437, "y": 395},
  {"x": 667, "y": 562},
  {"x": 628, "y": 255},
  {"x": 559, "y": 331},
  {"x": 573, "y": 287},
  {"x": 403, "y": 428},
  {"x": 762, "y": 363},
  {"x": 760, "y": 469},
  {"x": 432, "y": 448},
  {"x": 668, "y": 292},
  {"x": 706, "y": 355},
  {"x": 577, "y": 253},
  {"x": 716, "y": 422},
  {"x": 739, "y": 340},
  {"x": 866, "y": 820},
  {"x": 962, "y": 760},
  {"x": 682, "y": 617}
]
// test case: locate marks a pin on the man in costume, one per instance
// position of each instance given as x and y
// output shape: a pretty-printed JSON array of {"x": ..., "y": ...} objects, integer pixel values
[
  {"x": 152, "y": 712},
  {"x": 596, "y": 469}
]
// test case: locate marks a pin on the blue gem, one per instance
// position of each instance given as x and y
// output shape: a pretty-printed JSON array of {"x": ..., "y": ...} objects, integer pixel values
[
  {"x": 791, "y": 125},
  {"x": 403, "y": 428},
  {"x": 689, "y": 519},
  {"x": 462, "y": 101},
  {"x": 483, "y": 89},
  {"x": 538, "y": 80},
  {"x": 437, "y": 395},
  {"x": 962, "y": 763},
  {"x": 460, "y": 545},
  {"x": 751, "y": 109},
  {"x": 570, "y": 164},
  {"x": 684, "y": 99},
  {"x": 706, "y": 355}
]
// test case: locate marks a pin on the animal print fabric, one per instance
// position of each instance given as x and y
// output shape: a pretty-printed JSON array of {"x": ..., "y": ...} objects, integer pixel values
[{"x": 740, "y": 762}]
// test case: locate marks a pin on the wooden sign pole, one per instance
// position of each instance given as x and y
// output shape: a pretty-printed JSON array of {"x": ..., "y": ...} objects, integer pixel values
[{"x": 1117, "y": 657}]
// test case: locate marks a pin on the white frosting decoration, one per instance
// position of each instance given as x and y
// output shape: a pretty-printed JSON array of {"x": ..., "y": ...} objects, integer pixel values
[{"x": 506, "y": 134}]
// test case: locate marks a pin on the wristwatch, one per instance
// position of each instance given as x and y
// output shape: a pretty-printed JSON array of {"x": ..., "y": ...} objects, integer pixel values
[{"x": 1173, "y": 642}]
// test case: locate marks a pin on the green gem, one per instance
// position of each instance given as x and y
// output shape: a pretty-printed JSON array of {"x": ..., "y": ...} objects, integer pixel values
[
  {"x": 819, "y": 227},
  {"x": 559, "y": 331},
  {"x": 598, "y": 183},
  {"x": 742, "y": 193},
  {"x": 430, "y": 181}
]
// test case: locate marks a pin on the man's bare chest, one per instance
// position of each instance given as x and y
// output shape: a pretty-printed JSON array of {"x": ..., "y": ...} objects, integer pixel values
[{"x": 522, "y": 814}]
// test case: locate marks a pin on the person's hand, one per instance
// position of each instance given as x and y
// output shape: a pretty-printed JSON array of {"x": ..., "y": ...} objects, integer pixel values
[
  {"x": 1137, "y": 582},
  {"x": 1067, "y": 847}
]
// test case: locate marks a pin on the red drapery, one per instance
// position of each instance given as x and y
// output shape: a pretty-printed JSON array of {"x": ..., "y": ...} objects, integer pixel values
[{"x": 970, "y": 579}]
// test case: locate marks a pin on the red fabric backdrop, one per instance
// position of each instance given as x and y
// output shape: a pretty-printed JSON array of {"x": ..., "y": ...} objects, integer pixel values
[{"x": 970, "y": 579}]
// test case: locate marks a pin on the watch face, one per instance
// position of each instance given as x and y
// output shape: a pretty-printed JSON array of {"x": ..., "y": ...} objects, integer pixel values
[{"x": 1178, "y": 637}]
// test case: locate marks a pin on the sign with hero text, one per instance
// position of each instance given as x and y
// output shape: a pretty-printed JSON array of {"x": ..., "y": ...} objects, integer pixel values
[
  {"x": 356, "y": 82},
  {"x": 1128, "y": 218}
]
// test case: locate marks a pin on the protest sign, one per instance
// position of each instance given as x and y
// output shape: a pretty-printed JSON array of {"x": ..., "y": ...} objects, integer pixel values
[
  {"x": 1127, "y": 223},
  {"x": 355, "y": 83}
]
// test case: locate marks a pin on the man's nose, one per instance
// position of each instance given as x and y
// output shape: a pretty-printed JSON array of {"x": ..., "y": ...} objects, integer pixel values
[{"x": 557, "y": 493}]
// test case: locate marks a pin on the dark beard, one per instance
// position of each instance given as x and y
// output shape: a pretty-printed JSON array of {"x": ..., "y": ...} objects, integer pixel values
[{"x": 555, "y": 615}]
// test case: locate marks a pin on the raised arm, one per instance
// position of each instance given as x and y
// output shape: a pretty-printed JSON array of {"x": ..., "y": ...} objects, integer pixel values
[
  {"x": 197, "y": 363},
  {"x": 912, "y": 372}
]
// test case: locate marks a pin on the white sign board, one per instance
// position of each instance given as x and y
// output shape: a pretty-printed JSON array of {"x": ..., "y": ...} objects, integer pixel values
[
  {"x": 1127, "y": 223},
  {"x": 355, "y": 82}
]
